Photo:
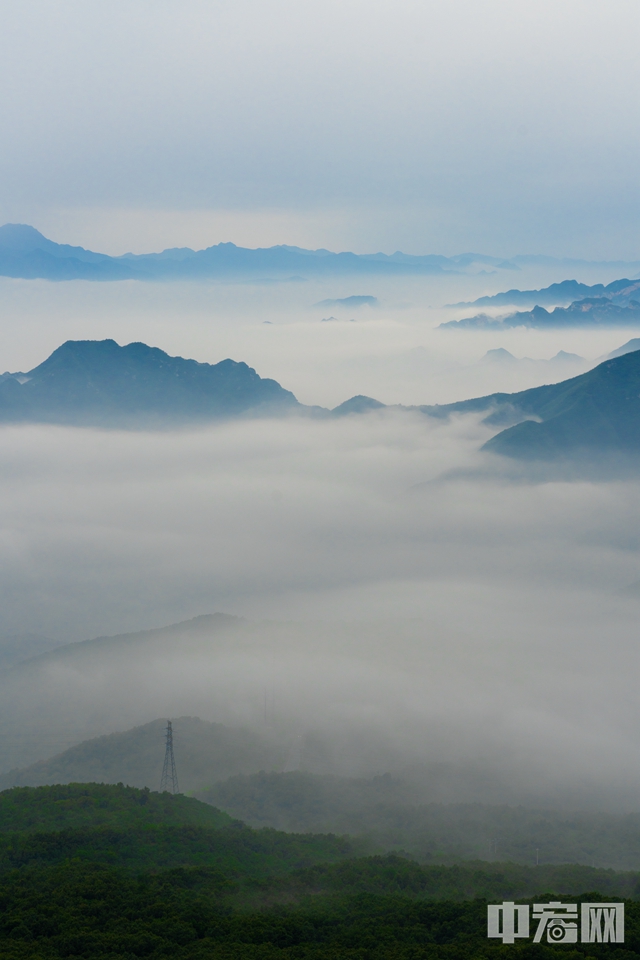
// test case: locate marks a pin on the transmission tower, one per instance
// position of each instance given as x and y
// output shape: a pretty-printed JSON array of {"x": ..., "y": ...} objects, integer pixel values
[{"x": 169, "y": 779}]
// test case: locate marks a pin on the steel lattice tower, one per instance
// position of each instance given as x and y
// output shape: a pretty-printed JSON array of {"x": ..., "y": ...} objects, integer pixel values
[{"x": 169, "y": 779}]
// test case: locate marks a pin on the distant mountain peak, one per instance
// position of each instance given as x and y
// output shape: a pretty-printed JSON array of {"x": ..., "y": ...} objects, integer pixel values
[
  {"x": 99, "y": 382},
  {"x": 21, "y": 236}
]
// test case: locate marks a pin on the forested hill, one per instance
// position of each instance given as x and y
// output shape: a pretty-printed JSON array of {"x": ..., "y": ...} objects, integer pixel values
[
  {"x": 208, "y": 752},
  {"x": 79, "y": 805},
  {"x": 140, "y": 829},
  {"x": 159, "y": 890}
]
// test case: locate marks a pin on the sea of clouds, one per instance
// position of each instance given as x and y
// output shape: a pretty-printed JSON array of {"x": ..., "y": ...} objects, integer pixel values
[{"x": 515, "y": 645}]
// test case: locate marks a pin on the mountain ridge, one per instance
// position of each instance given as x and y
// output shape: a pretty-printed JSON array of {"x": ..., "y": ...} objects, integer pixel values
[
  {"x": 597, "y": 410},
  {"x": 565, "y": 292},
  {"x": 100, "y": 383},
  {"x": 588, "y": 312},
  {"x": 26, "y": 253}
]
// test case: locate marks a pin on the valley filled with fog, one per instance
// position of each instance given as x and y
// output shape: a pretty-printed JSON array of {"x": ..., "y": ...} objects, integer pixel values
[
  {"x": 392, "y": 351},
  {"x": 405, "y": 598}
]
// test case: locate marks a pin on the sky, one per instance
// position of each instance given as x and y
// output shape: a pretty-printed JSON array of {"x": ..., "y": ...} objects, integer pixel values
[{"x": 428, "y": 126}]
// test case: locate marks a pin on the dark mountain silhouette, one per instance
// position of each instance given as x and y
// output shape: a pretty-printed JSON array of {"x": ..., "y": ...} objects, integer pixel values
[
  {"x": 589, "y": 312},
  {"x": 98, "y": 382},
  {"x": 591, "y": 414},
  {"x": 619, "y": 291},
  {"x": 598, "y": 411}
]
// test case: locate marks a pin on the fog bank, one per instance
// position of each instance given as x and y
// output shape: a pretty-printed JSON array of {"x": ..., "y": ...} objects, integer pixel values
[{"x": 470, "y": 619}]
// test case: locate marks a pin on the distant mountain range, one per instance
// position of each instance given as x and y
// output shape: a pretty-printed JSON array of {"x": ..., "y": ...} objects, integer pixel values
[
  {"x": 99, "y": 383},
  {"x": 26, "y": 253},
  {"x": 589, "y": 312},
  {"x": 620, "y": 292},
  {"x": 502, "y": 359},
  {"x": 596, "y": 412}
]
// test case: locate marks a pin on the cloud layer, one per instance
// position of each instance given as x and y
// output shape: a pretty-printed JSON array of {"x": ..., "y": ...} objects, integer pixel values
[{"x": 513, "y": 647}]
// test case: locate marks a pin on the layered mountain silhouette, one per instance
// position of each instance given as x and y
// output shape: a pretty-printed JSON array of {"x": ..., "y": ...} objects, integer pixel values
[
  {"x": 557, "y": 294},
  {"x": 98, "y": 382},
  {"x": 627, "y": 347},
  {"x": 598, "y": 411},
  {"x": 595, "y": 413},
  {"x": 27, "y": 254},
  {"x": 588, "y": 312}
]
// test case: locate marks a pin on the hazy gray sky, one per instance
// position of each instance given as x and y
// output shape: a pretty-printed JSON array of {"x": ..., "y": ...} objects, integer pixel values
[{"x": 500, "y": 125}]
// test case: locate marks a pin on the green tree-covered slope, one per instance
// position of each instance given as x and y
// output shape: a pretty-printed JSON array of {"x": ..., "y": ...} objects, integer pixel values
[
  {"x": 139, "y": 829},
  {"x": 99, "y": 913},
  {"x": 81, "y": 805},
  {"x": 85, "y": 871}
]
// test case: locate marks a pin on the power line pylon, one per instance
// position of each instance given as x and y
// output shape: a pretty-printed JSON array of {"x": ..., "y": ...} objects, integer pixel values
[{"x": 169, "y": 779}]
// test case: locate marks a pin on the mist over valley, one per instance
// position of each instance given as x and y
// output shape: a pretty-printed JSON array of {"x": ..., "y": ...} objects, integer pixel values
[{"x": 407, "y": 601}]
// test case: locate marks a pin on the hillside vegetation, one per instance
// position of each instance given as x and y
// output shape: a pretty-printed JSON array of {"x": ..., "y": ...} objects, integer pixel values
[
  {"x": 90, "y": 911},
  {"x": 118, "y": 825},
  {"x": 108, "y": 872},
  {"x": 79, "y": 805}
]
